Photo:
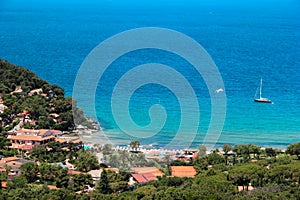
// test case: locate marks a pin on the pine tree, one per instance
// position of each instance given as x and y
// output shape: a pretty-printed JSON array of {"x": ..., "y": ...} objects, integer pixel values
[{"x": 103, "y": 185}]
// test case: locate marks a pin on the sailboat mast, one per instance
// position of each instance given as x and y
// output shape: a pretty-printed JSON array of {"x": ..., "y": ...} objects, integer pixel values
[
  {"x": 260, "y": 88},
  {"x": 261, "y": 99}
]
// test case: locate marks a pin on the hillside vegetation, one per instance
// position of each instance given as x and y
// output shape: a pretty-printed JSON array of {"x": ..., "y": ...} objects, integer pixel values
[{"x": 33, "y": 101}]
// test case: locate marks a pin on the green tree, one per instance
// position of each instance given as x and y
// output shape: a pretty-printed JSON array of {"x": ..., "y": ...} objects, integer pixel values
[
  {"x": 270, "y": 152},
  {"x": 253, "y": 149},
  {"x": 134, "y": 145},
  {"x": 226, "y": 148},
  {"x": 49, "y": 172},
  {"x": 3, "y": 177},
  {"x": 107, "y": 148},
  {"x": 62, "y": 179},
  {"x": 200, "y": 164},
  {"x": 103, "y": 185},
  {"x": 202, "y": 151},
  {"x": 86, "y": 161},
  {"x": 4, "y": 144},
  {"x": 17, "y": 182},
  {"x": 215, "y": 158},
  {"x": 294, "y": 149},
  {"x": 98, "y": 195},
  {"x": 29, "y": 171},
  {"x": 214, "y": 183},
  {"x": 39, "y": 152},
  {"x": 54, "y": 146},
  {"x": 243, "y": 174},
  {"x": 286, "y": 174},
  {"x": 242, "y": 151},
  {"x": 119, "y": 186},
  {"x": 81, "y": 180},
  {"x": 145, "y": 191}
]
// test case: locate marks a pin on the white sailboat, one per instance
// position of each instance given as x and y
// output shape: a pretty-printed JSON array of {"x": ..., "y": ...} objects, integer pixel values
[{"x": 261, "y": 99}]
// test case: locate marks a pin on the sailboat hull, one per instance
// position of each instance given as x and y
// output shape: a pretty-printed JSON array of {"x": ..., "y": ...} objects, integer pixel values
[{"x": 263, "y": 100}]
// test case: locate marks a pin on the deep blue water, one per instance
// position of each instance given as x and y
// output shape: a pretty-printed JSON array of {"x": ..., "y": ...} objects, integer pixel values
[{"x": 246, "y": 40}]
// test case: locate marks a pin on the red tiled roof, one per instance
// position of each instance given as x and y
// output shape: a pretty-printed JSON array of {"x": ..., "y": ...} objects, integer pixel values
[
  {"x": 21, "y": 146},
  {"x": 73, "y": 172},
  {"x": 60, "y": 140},
  {"x": 78, "y": 140},
  {"x": 27, "y": 146},
  {"x": 142, "y": 170},
  {"x": 150, "y": 177},
  {"x": 55, "y": 132},
  {"x": 8, "y": 159},
  {"x": 42, "y": 132},
  {"x": 4, "y": 184},
  {"x": 12, "y": 163},
  {"x": 144, "y": 178},
  {"x": 139, "y": 178},
  {"x": 39, "y": 132},
  {"x": 183, "y": 171},
  {"x": 30, "y": 138}
]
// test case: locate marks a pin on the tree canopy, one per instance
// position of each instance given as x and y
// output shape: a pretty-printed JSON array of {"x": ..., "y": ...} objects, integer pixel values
[{"x": 24, "y": 92}]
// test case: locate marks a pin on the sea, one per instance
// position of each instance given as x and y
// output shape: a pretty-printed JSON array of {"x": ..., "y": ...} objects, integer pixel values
[{"x": 247, "y": 40}]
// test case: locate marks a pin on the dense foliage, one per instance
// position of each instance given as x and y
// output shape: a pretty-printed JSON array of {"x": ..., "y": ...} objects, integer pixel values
[
  {"x": 273, "y": 176},
  {"x": 44, "y": 104}
]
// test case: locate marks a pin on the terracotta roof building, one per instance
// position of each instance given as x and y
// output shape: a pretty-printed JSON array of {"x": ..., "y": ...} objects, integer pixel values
[
  {"x": 13, "y": 164},
  {"x": 73, "y": 172},
  {"x": 26, "y": 139},
  {"x": 144, "y": 177},
  {"x": 183, "y": 171},
  {"x": 51, "y": 187},
  {"x": 145, "y": 174},
  {"x": 3, "y": 184},
  {"x": 144, "y": 170},
  {"x": 96, "y": 174}
]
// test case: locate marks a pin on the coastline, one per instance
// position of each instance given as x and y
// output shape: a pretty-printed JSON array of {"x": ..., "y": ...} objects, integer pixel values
[{"x": 90, "y": 138}]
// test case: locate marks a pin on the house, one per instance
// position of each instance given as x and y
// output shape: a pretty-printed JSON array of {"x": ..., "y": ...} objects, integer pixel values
[
  {"x": 26, "y": 139},
  {"x": 144, "y": 174},
  {"x": 242, "y": 188},
  {"x": 144, "y": 170},
  {"x": 27, "y": 142},
  {"x": 63, "y": 143},
  {"x": 144, "y": 177},
  {"x": 77, "y": 141},
  {"x": 13, "y": 164},
  {"x": 35, "y": 91},
  {"x": 189, "y": 154},
  {"x": 73, "y": 172},
  {"x": 3, "y": 184},
  {"x": 183, "y": 171},
  {"x": 96, "y": 174}
]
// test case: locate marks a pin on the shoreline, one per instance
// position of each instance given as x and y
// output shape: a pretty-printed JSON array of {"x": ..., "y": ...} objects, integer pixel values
[{"x": 123, "y": 144}]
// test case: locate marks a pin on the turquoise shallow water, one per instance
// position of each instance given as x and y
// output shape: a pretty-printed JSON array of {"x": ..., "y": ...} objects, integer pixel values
[{"x": 246, "y": 40}]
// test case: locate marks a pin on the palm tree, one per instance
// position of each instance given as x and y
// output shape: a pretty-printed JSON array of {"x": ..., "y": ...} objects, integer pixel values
[{"x": 134, "y": 145}]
